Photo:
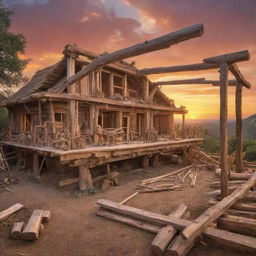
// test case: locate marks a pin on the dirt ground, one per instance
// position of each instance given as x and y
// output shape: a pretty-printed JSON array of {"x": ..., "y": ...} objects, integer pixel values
[{"x": 75, "y": 229}]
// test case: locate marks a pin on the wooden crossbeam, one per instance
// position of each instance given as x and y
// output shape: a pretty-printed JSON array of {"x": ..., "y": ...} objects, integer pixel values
[
  {"x": 239, "y": 76},
  {"x": 180, "y": 68},
  {"x": 148, "y": 46},
  {"x": 229, "y": 57}
]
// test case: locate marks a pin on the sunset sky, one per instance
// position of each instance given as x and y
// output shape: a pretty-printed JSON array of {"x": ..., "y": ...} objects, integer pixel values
[{"x": 108, "y": 25}]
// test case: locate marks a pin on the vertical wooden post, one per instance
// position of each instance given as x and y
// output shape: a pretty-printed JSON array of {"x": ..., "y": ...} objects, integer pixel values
[
  {"x": 183, "y": 125},
  {"x": 145, "y": 161},
  {"x": 70, "y": 73},
  {"x": 239, "y": 124},
  {"x": 125, "y": 86},
  {"x": 224, "y": 128},
  {"x": 145, "y": 88},
  {"x": 171, "y": 126},
  {"x": 119, "y": 119},
  {"x": 40, "y": 112},
  {"x": 36, "y": 171},
  {"x": 111, "y": 88},
  {"x": 148, "y": 116},
  {"x": 52, "y": 116},
  {"x": 85, "y": 179},
  {"x": 155, "y": 160}
]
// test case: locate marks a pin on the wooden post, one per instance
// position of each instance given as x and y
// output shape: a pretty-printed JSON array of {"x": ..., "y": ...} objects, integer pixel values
[
  {"x": 148, "y": 116},
  {"x": 125, "y": 86},
  {"x": 119, "y": 119},
  {"x": 70, "y": 73},
  {"x": 36, "y": 170},
  {"x": 111, "y": 88},
  {"x": 40, "y": 112},
  {"x": 183, "y": 125},
  {"x": 52, "y": 116},
  {"x": 145, "y": 161},
  {"x": 155, "y": 160},
  {"x": 239, "y": 124},
  {"x": 224, "y": 128},
  {"x": 145, "y": 88},
  {"x": 85, "y": 179}
]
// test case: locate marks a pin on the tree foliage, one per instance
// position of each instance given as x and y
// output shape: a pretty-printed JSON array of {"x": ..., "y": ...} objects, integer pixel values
[{"x": 11, "y": 46}]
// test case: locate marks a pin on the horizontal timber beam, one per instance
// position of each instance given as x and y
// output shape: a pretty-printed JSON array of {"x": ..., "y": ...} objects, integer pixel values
[
  {"x": 180, "y": 68},
  {"x": 148, "y": 46},
  {"x": 229, "y": 57}
]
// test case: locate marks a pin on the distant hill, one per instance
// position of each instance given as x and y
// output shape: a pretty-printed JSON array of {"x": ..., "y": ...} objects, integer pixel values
[{"x": 249, "y": 126}]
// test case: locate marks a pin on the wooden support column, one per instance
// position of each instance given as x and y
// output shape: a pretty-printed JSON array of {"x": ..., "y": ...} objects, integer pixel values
[
  {"x": 145, "y": 161},
  {"x": 147, "y": 119},
  {"x": 36, "y": 169},
  {"x": 239, "y": 124},
  {"x": 52, "y": 116},
  {"x": 119, "y": 119},
  {"x": 111, "y": 88},
  {"x": 183, "y": 126},
  {"x": 125, "y": 86},
  {"x": 155, "y": 160},
  {"x": 70, "y": 73},
  {"x": 224, "y": 128},
  {"x": 91, "y": 116},
  {"x": 145, "y": 88},
  {"x": 171, "y": 126},
  {"x": 85, "y": 179},
  {"x": 40, "y": 112}
]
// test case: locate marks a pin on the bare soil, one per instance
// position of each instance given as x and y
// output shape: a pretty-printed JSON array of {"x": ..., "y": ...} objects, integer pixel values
[{"x": 75, "y": 229}]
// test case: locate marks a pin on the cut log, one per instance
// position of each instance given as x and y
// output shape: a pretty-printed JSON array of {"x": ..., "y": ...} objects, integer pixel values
[
  {"x": 155, "y": 218},
  {"x": 106, "y": 184},
  {"x": 240, "y": 176},
  {"x": 46, "y": 216},
  {"x": 166, "y": 234},
  {"x": 246, "y": 214},
  {"x": 148, "y": 46},
  {"x": 16, "y": 230},
  {"x": 177, "y": 82},
  {"x": 244, "y": 206},
  {"x": 181, "y": 68},
  {"x": 155, "y": 160},
  {"x": 85, "y": 179},
  {"x": 216, "y": 184},
  {"x": 31, "y": 231},
  {"x": 239, "y": 76},
  {"x": 11, "y": 210},
  {"x": 241, "y": 225},
  {"x": 217, "y": 192},
  {"x": 224, "y": 239},
  {"x": 212, "y": 213},
  {"x": 229, "y": 57},
  {"x": 69, "y": 181}
]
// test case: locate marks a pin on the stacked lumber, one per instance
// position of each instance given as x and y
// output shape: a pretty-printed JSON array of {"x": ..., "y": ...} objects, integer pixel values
[
  {"x": 33, "y": 228},
  {"x": 176, "y": 235}
]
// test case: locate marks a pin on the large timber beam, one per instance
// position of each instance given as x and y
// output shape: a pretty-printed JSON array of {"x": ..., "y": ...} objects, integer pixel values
[
  {"x": 229, "y": 57},
  {"x": 180, "y": 68},
  {"x": 148, "y": 46},
  {"x": 239, "y": 76}
]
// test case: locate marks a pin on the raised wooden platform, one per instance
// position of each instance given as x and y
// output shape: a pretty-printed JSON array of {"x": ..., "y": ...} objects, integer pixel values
[{"x": 97, "y": 155}]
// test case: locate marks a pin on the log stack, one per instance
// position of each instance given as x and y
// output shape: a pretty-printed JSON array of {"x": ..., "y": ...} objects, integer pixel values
[{"x": 177, "y": 235}]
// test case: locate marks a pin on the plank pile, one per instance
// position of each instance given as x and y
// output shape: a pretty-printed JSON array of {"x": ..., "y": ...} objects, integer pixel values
[
  {"x": 33, "y": 228},
  {"x": 176, "y": 235},
  {"x": 174, "y": 180}
]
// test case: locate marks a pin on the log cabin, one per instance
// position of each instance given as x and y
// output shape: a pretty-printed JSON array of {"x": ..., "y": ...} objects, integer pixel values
[{"x": 109, "y": 114}]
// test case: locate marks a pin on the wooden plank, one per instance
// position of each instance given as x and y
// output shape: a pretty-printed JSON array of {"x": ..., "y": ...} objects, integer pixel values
[
  {"x": 31, "y": 231},
  {"x": 247, "y": 214},
  {"x": 155, "y": 218},
  {"x": 239, "y": 126},
  {"x": 46, "y": 216},
  {"x": 224, "y": 128},
  {"x": 16, "y": 230},
  {"x": 212, "y": 213},
  {"x": 181, "y": 68},
  {"x": 129, "y": 197},
  {"x": 229, "y": 57},
  {"x": 148, "y": 46},
  {"x": 177, "y": 82},
  {"x": 239, "y": 76},
  {"x": 225, "y": 239},
  {"x": 11, "y": 210},
  {"x": 166, "y": 234},
  {"x": 69, "y": 181},
  {"x": 241, "y": 225},
  {"x": 240, "y": 176}
]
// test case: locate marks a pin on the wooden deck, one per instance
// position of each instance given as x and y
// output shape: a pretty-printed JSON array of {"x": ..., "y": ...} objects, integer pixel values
[{"x": 104, "y": 154}]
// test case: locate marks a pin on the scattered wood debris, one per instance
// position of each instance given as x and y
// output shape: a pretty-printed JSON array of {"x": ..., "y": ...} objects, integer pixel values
[{"x": 177, "y": 235}]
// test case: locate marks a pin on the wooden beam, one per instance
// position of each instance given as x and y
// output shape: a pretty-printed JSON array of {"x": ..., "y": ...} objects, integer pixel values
[
  {"x": 166, "y": 234},
  {"x": 177, "y": 82},
  {"x": 154, "y": 218},
  {"x": 239, "y": 76},
  {"x": 148, "y": 46},
  {"x": 229, "y": 57},
  {"x": 16, "y": 230},
  {"x": 224, "y": 128},
  {"x": 11, "y": 210},
  {"x": 212, "y": 213},
  {"x": 241, "y": 225},
  {"x": 239, "y": 125},
  {"x": 180, "y": 68}
]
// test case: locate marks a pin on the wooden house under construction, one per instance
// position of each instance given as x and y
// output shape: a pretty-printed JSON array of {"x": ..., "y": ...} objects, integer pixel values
[{"x": 109, "y": 114}]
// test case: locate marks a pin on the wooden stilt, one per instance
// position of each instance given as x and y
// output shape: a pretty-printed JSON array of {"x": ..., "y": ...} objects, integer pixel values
[
  {"x": 223, "y": 128},
  {"x": 145, "y": 161},
  {"x": 155, "y": 160},
  {"x": 183, "y": 125},
  {"x": 239, "y": 137},
  {"x": 36, "y": 169},
  {"x": 85, "y": 179}
]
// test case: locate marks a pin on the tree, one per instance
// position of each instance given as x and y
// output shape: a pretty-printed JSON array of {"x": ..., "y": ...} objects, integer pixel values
[{"x": 11, "y": 45}]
